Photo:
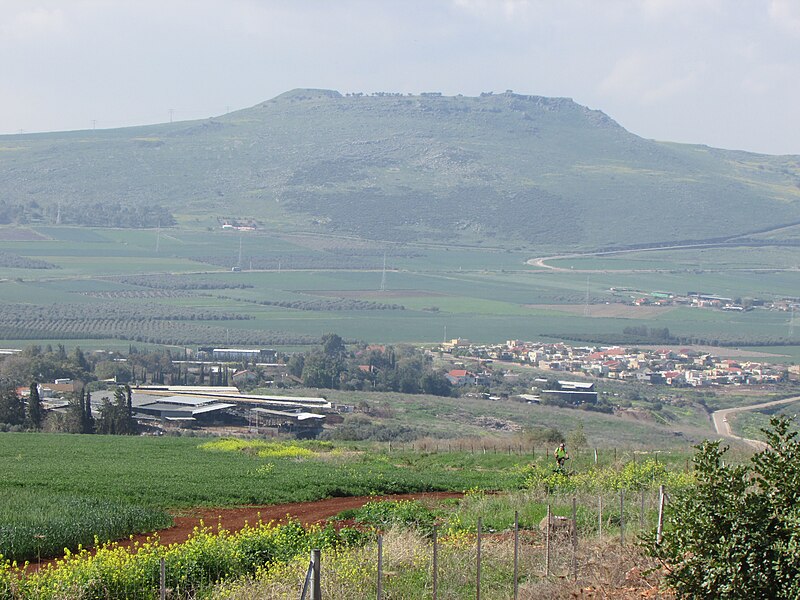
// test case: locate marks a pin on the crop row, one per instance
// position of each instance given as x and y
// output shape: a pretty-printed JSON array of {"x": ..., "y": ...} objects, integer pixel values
[
  {"x": 175, "y": 333},
  {"x": 42, "y": 525},
  {"x": 293, "y": 261},
  {"x": 173, "y": 282},
  {"x": 148, "y": 293},
  {"x": 327, "y": 305},
  {"x": 16, "y": 314},
  {"x": 15, "y": 261}
]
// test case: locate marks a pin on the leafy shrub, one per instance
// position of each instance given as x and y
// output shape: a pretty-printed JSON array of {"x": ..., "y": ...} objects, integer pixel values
[
  {"x": 643, "y": 475},
  {"x": 736, "y": 533},
  {"x": 361, "y": 428},
  {"x": 384, "y": 514}
]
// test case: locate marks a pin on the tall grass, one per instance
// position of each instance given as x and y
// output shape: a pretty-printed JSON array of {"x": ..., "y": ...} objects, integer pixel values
[
  {"x": 35, "y": 524},
  {"x": 604, "y": 568}
]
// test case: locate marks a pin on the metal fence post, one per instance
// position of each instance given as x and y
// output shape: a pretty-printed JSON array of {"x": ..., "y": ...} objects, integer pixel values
[
  {"x": 316, "y": 588},
  {"x": 435, "y": 562},
  {"x": 162, "y": 581},
  {"x": 516, "y": 554},
  {"x": 660, "y": 530},
  {"x": 380, "y": 567},
  {"x": 547, "y": 545},
  {"x": 478, "y": 578},
  {"x": 622, "y": 517},
  {"x": 574, "y": 539},
  {"x": 599, "y": 516}
]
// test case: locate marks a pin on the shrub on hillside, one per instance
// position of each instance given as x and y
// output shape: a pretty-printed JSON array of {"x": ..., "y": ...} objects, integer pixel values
[
  {"x": 736, "y": 533},
  {"x": 362, "y": 428}
]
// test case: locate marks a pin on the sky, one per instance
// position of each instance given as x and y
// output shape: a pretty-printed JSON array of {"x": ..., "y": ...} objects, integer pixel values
[{"x": 725, "y": 73}]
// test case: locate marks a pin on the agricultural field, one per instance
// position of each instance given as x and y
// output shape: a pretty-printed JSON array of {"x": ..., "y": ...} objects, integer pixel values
[
  {"x": 109, "y": 487},
  {"x": 176, "y": 287},
  {"x": 134, "y": 482},
  {"x": 750, "y": 424},
  {"x": 147, "y": 476}
]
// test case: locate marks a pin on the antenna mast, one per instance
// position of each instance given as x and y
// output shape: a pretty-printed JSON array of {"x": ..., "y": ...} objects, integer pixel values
[{"x": 383, "y": 276}]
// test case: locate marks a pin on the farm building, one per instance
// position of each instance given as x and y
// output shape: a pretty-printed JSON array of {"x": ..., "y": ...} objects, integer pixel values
[
  {"x": 303, "y": 425},
  {"x": 185, "y": 410},
  {"x": 237, "y": 354},
  {"x": 572, "y": 392}
]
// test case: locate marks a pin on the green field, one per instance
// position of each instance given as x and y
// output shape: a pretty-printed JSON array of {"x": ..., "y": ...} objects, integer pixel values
[
  {"x": 65, "y": 489},
  {"x": 293, "y": 288},
  {"x": 107, "y": 477},
  {"x": 749, "y": 424}
]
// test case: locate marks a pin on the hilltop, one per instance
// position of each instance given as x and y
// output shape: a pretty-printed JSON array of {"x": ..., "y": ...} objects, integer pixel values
[{"x": 501, "y": 169}]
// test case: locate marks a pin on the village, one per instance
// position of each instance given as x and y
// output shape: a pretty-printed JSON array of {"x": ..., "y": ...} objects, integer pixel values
[
  {"x": 666, "y": 366},
  {"x": 702, "y": 300}
]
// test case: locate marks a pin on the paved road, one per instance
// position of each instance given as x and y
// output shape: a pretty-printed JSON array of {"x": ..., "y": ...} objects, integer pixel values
[
  {"x": 721, "y": 419},
  {"x": 543, "y": 261}
]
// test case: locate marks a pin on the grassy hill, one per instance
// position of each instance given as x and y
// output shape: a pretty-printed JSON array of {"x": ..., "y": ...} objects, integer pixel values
[{"x": 504, "y": 169}]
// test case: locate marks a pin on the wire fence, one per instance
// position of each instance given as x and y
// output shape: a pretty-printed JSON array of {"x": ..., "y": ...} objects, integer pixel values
[
  {"x": 552, "y": 551},
  {"x": 484, "y": 558}
]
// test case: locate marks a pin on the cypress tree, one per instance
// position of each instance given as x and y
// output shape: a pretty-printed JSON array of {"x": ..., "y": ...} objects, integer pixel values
[
  {"x": 89, "y": 418},
  {"x": 120, "y": 409},
  {"x": 35, "y": 415}
]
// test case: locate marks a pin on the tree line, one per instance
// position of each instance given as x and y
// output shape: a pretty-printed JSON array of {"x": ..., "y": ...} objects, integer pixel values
[
  {"x": 27, "y": 413},
  {"x": 386, "y": 368}
]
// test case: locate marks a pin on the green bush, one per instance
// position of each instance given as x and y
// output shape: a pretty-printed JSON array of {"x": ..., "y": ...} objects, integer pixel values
[
  {"x": 647, "y": 474},
  {"x": 384, "y": 514},
  {"x": 736, "y": 533}
]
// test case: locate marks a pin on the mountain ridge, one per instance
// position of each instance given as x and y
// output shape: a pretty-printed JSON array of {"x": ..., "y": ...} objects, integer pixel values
[{"x": 503, "y": 168}]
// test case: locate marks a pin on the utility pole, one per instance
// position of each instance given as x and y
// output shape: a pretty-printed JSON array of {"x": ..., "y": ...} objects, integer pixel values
[
  {"x": 383, "y": 276},
  {"x": 586, "y": 304}
]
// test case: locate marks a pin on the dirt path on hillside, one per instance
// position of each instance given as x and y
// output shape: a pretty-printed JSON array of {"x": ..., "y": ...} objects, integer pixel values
[
  {"x": 234, "y": 519},
  {"x": 723, "y": 426}
]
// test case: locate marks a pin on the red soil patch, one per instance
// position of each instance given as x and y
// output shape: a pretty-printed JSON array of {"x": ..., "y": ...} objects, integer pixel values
[{"x": 233, "y": 519}]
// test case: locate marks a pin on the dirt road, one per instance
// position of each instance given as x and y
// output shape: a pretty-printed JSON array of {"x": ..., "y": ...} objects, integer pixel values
[
  {"x": 233, "y": 519},
  {"x": 722, "y": 424}
]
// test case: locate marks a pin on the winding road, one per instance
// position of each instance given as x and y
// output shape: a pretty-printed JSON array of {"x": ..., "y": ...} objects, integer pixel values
[{"x": 722, "y": 422}]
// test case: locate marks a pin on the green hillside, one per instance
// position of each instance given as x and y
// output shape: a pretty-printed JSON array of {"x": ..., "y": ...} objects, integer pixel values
[{"x": 503, "y": 169}]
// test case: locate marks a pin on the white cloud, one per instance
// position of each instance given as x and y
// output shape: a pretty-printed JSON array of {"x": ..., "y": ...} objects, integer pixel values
[
  {"x": 657, "y": 9},
  {"x": 650, "y": 78},
  {"x": 33, "y": 23},
  {"x": 769, "y": 79},
  {"x": 786, "y": 13},
  {"x": 505, "y": 9}
]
